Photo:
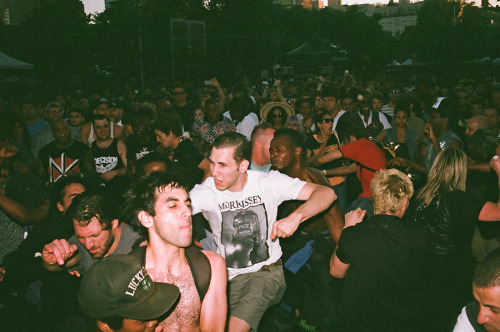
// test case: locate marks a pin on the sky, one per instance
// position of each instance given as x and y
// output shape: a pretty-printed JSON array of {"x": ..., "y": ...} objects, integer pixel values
[{"x": 92, "y": 6}]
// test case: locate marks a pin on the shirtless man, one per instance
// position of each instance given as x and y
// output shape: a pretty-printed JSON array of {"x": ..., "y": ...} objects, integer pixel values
[
  {"x": 160, "y": 206},
  {"x": 288, "y": 155},
  {"x": 87, "y": 132}
]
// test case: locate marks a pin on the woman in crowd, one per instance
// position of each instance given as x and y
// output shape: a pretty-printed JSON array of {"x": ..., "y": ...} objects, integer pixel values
[
  {"x": 324, "y": 141},
  {"x": 449, "y": 213},
  {"x": 295, "y": 122},
  {"x": 276, "y": 114},
  {"x": 400, "y": 136},
  {"x": 19, "y": 134}
]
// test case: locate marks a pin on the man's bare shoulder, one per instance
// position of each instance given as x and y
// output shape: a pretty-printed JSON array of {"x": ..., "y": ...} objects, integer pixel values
[
  {"x": 317, "y": 177},
  {"x": 217, "y": 262}
]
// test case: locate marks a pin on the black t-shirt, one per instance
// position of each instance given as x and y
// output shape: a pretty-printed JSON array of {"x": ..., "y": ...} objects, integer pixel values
[
  {"x": 58, "y": 162},
  {"x": 331, "y": 144},
  {"x": 186, "y": 114},
  {"x": 136, "y": 150},
  {"x": 187, "y": 157},
  {"x": 382, "y": 286}
]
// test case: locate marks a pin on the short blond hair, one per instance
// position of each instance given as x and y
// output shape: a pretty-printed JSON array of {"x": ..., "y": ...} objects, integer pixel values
[{"x": 390, "y": 188}]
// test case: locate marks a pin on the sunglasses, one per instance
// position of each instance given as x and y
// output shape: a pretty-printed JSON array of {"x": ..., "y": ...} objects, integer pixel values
[
  {"x": 277, "y": 115},
  {"x": 395, "y": 91},
  {"x": 178, "y": 93},
  {"x": 327, "y": 121}
]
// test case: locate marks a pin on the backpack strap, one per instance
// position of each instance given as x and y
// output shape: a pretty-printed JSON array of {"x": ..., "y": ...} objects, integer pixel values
[
  {"x": 198, "y": 264},
  {"x": 140, "y": 254},
  {"x": 200, "y": 268}
]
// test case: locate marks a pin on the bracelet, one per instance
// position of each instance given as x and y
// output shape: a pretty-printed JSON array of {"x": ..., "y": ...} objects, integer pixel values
[
  {"x": 50, "y": 263},
  {"x": 324, "y": 172}
]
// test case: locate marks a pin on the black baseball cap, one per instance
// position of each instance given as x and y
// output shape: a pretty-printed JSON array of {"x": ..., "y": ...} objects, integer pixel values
[
  {"x": 101, "y": 101},
  {"x": 119, "y": 285}
]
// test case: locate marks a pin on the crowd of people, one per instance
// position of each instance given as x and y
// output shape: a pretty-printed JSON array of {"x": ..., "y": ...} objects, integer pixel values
[{"x": 320, "y": 204}]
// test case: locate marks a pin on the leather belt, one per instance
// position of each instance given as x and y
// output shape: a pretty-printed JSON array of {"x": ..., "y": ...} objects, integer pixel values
[{"x": 268, "y": 267}]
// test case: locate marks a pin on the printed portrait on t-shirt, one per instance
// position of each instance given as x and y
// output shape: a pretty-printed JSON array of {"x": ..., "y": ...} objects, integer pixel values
[{"x": 244, "y": 234}]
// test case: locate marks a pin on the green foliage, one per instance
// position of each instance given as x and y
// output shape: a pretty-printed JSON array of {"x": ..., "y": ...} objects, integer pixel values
[
  {"x": 241, "y": 35},
  {"x": 56, "y": 39},
  {"x": 450, "y": 32}
]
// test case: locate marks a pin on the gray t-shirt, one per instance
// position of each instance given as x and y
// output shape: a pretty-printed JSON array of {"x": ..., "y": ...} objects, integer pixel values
[{"x": 127, "y": 240}]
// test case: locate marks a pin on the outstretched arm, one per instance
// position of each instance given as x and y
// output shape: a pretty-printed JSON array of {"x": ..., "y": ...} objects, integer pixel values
[
  {"x": 322, "y": 159},
  {"x": 214, "y": 306},
  {"x": 21, "y": 214},
  {"x": 318, "y": 198}
]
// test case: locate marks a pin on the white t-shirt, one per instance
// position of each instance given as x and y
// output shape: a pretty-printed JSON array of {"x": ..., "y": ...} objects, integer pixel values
[
  {"x": 242, "y": 222},
  {"x": 245, "y": 127},
  {"x": 463, "y": 323}
]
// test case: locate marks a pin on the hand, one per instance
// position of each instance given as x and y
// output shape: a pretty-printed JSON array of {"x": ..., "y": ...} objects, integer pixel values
[
  {"x": 285, "y": 227},
  {"x": 398, "y": 161},
  {"x": 277, "y": 83},
  {"x": 8, "y": 151},
  {"x": 429, "y": 132},
  {"x": 215, "y": 82},
  {"x": 322, "y": 149},
  {"x": 58, "y": 251},
  {"x": 353, "y": 217},
  {"x": 75, "y": 273},
  {"x": 375, "y": 125},
  {"x": 152, "y": 325},
  {"x": 2, "y": 273},
  {"x": 495, "y": 164}
]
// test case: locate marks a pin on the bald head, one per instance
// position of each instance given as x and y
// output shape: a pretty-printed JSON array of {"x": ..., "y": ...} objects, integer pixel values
[
  {"x": 475, "y": 123},
  {"x": 262, "y": 136}
]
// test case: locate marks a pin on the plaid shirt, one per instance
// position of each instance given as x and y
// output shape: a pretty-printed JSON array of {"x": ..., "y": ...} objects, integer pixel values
[{"x": 208, "y": 132}]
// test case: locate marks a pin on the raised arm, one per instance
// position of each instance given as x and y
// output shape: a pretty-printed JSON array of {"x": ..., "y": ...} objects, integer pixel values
[
  {"x": 214, "y": 306},
  {"x": 279, "y": 92},
  {"x": 317, "y": 199},
  {"x": 490, "y": 210},
  {"x": 220, "y": 93}
]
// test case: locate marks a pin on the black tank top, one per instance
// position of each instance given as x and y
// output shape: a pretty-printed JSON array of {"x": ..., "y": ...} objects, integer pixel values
[{"x": 106, "y": 159}]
